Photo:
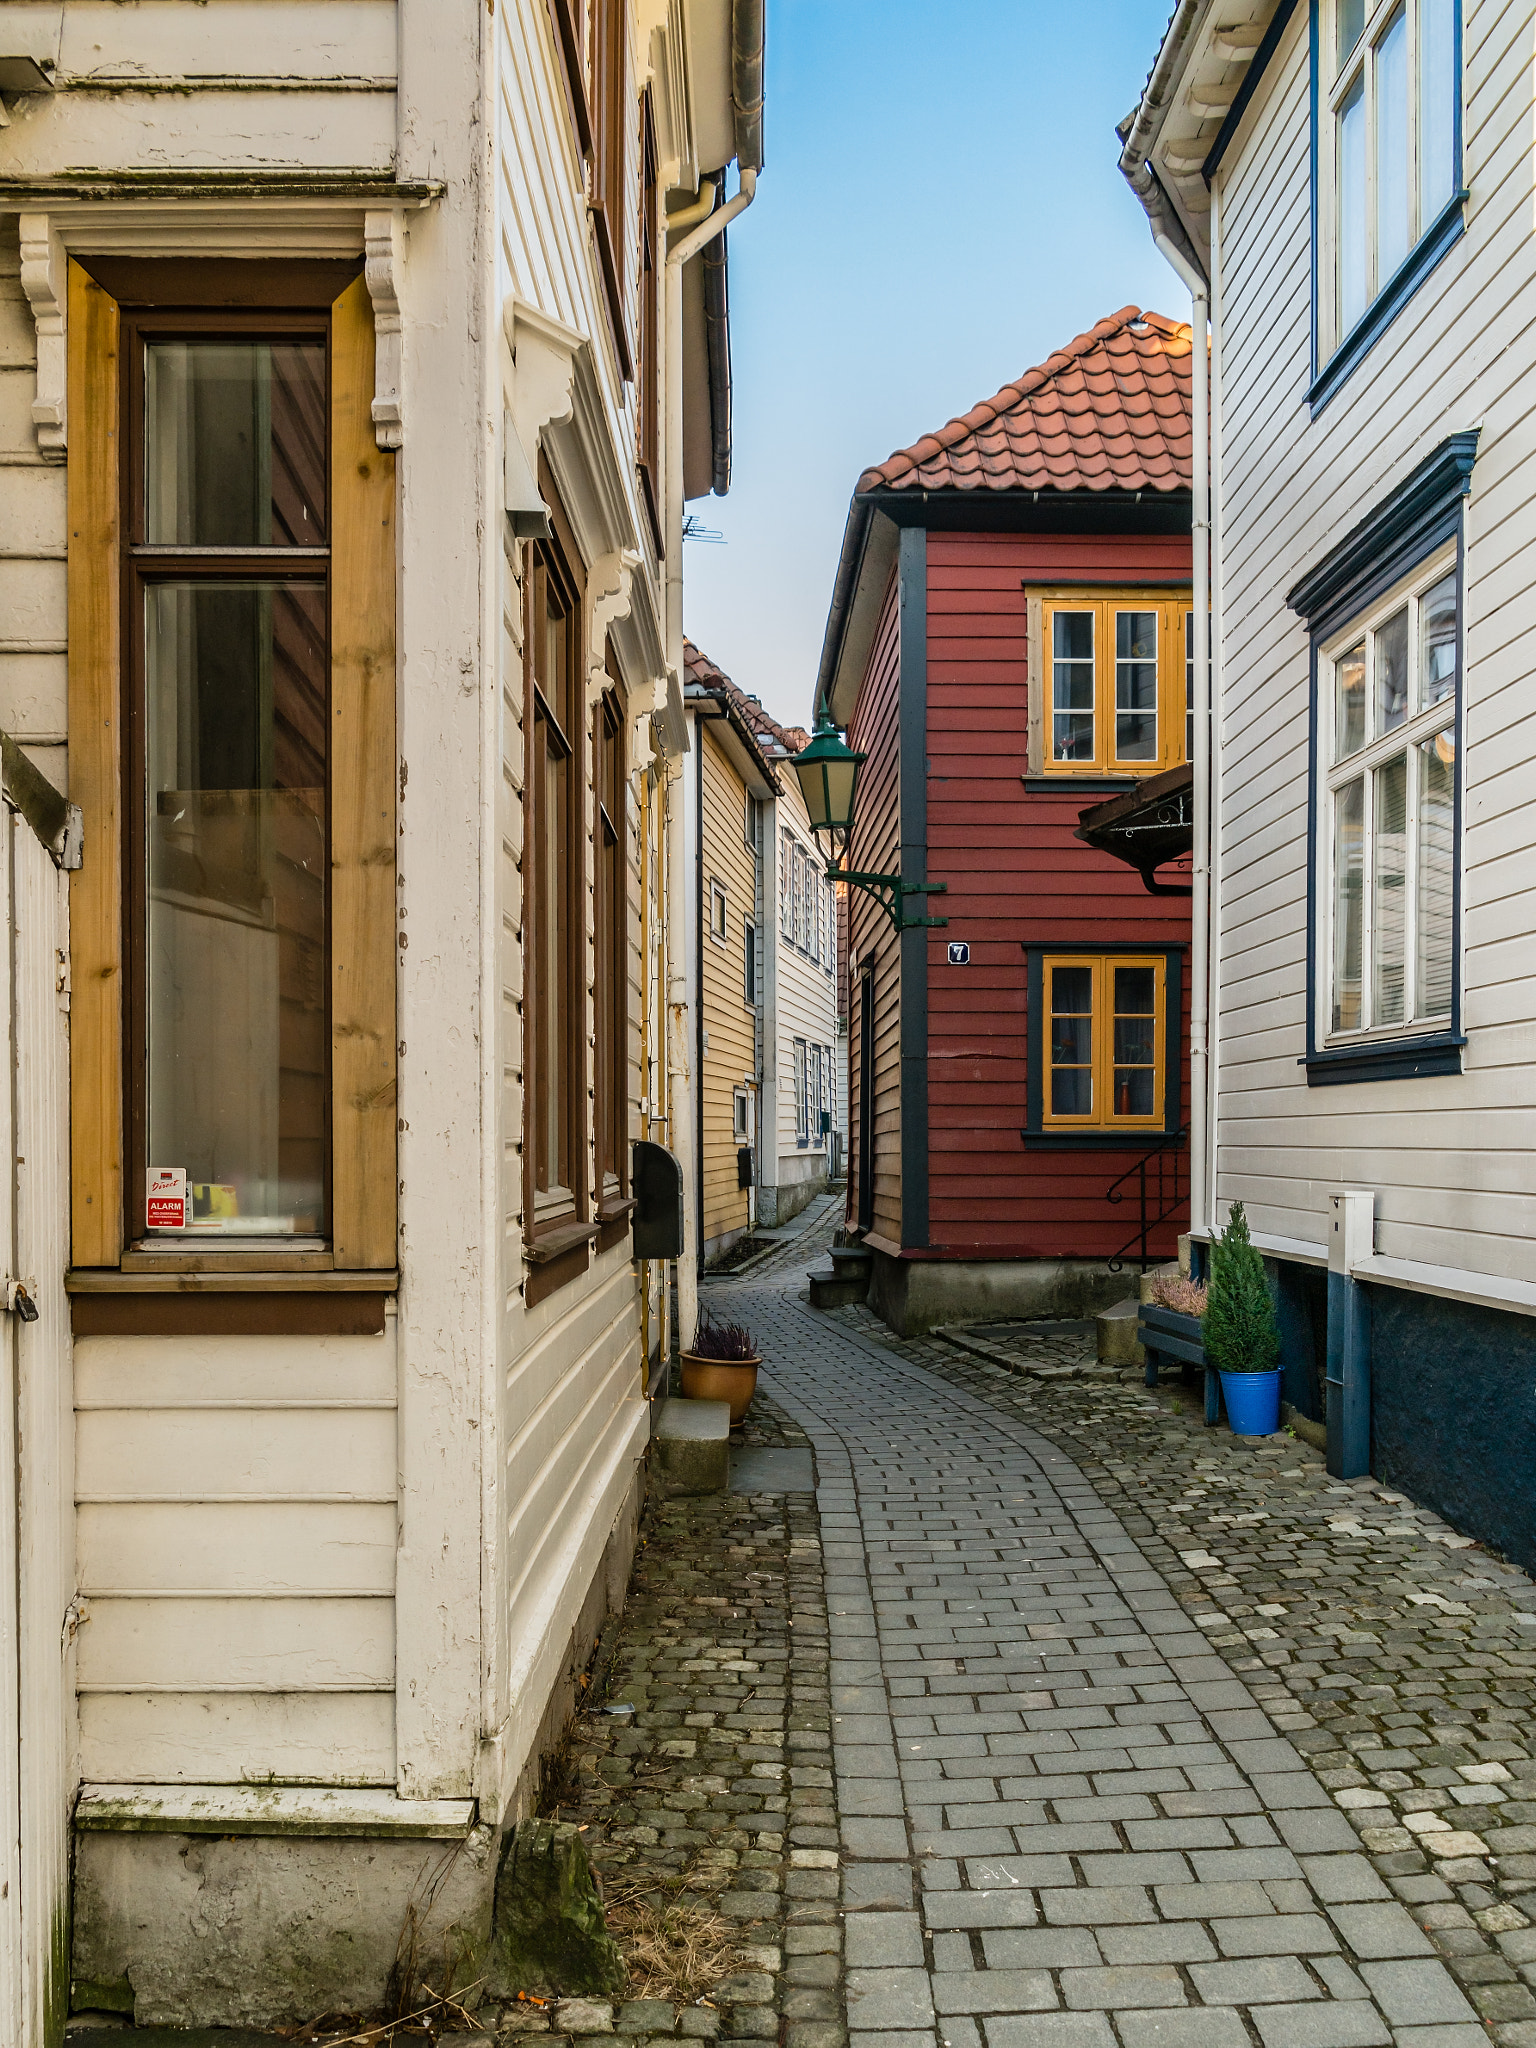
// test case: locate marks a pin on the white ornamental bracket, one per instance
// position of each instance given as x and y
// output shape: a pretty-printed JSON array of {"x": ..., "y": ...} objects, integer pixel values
[
  {"x": 608, "y": 583},
  {"x": 45, "y": 280},
  {"x": 544, "y": 354},
  {"x": 381, "y": 270}
]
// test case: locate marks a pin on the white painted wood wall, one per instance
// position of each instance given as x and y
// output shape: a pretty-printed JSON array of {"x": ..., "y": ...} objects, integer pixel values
[
  {"x": 806, "y": 993},
  {"x": 1449, "y": 1157}
]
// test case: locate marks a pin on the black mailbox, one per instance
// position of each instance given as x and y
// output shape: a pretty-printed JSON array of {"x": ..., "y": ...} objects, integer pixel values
[
  {"x": 657, "y": 1182},
  {"x": 743, "y": 1166}
]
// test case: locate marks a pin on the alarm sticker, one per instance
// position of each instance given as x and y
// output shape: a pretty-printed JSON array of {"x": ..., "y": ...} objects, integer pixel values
[{"x": 165, "y": 1198}]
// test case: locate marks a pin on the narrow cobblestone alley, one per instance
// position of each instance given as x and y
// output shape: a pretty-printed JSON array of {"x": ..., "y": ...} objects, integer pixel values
[{"x": 1087, "y": 1789}]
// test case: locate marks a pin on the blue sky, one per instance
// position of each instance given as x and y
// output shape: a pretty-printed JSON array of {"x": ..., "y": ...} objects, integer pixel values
[{"x": 940, "y": 208}]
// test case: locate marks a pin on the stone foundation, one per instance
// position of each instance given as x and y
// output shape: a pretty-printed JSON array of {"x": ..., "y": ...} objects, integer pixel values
[{"x": 916, "y": 1295}]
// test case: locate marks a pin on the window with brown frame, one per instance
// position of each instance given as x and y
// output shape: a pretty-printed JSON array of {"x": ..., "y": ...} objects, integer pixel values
[
  {"x": 650, "y": 315},
  {"x": 227, "y": 588},
  {"x": 553, "y": 1081},
  {"x": 611, "y": 963},
  {"x": 611, "y": 115},
  {"x": 231, "y": 711}
]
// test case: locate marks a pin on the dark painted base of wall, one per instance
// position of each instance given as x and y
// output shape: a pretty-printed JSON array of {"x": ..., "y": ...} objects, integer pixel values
[
  {"x": 1453, "y": 1418},
  {"x": 916, "y": 1295}
]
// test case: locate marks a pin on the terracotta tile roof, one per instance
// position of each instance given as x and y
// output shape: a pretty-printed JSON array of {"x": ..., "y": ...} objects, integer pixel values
[
  {"x": 699, "y": 670},
  {"x": 1110, "y": 411}
]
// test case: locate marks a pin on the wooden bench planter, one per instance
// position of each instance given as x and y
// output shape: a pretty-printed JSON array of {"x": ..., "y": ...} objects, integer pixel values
[{"x": 1166, "y": 1334}]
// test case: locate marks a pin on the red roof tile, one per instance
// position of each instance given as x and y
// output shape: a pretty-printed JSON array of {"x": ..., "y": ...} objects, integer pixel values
[
  {"x": 1110, "y": 411},
  {"x": 700, "y": 670}
]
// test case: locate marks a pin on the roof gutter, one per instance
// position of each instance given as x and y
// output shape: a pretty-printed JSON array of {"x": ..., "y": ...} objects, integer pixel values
[{"x": 843, "y": 587}]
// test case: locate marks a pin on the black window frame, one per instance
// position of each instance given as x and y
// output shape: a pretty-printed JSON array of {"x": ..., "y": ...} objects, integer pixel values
[{"x": 1415, "y": 520}]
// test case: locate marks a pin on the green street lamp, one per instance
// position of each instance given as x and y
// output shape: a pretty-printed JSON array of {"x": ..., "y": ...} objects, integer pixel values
[{"x": 828, "y": 774}]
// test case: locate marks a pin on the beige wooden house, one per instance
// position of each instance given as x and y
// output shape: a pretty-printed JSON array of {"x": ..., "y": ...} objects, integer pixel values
[{"x": 346, "y": 430}]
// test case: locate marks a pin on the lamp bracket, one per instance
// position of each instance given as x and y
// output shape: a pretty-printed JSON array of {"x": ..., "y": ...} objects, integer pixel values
[{"x": 891, "y": 892}]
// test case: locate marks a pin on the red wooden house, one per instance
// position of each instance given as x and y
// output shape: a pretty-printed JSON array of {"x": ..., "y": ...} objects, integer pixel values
[{"x": 1009, "y": 645}]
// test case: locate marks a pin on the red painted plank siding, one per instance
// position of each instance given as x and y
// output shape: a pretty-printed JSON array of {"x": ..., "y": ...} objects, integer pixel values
[
  {"x": 1016, "y": 876},
  {"x": 875, "y": 732}
]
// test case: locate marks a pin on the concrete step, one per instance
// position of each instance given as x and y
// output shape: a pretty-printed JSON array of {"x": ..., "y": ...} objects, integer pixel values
[
  {"x": 1169, "y": 1272},
  {"x": 1116, "y": 1329},
  {"x": 832, "y": 1290},
  {"x": 693, "y": 1446}
]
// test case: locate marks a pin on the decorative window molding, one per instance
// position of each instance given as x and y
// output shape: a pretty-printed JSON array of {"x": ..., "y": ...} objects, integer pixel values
[
  {"x": 1110, "y": 1111},
  {"x": 381, "y": 264},
  {"x": 1385, "y": 565},
  {"x": 44, "y": 279}
]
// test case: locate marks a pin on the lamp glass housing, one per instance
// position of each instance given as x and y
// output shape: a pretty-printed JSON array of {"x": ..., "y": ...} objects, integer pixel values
[{"x": 828, "y": 773}]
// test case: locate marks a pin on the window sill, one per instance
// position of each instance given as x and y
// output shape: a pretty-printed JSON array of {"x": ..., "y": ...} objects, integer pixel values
[
  {"x": 550, "y": 1245},
  {"x": 225, "y": 1280},
  {"x": 1403, "y": 1059},
  {"x": 1439, "y": 240},
  {"x": 1093, "y": 781},
  {"x": 616, "y": 1210}
]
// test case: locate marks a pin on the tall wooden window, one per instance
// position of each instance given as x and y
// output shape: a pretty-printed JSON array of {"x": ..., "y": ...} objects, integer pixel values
[
  {"x": 611, "y": 963},
  {"x": 649, "y": 370},
  {"x": 1106, "y": 1047},
  {"x": 554, "y": 1077},
  {"x": 589, "y": 39},
  {"x": 227, "y": 733},
  {"x": 1113, "y": 689}
]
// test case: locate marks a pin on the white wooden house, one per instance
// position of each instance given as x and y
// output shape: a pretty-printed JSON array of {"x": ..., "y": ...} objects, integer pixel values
[
  {"x": 354, "y": 366},
  {"x": 1348, "y": 187}
]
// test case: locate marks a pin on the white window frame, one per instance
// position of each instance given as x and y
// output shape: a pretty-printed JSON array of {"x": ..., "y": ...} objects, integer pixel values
[
  {"x": 1335, "y": 85},
  {"x": 720, "y": 932},
  {"x": 1378, "y": 748},
  {"x": 798, "y": 1056},
  {"x": 787, "y": 885}
]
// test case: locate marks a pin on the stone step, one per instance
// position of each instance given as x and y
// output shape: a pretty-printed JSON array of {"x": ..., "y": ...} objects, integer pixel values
[
  {"x": 1171, "y": 1271},
  {"x": 1116, "y": 1329},
  {"x": 692, "y": 1443},
  {"x": 831, "y": 1290}
]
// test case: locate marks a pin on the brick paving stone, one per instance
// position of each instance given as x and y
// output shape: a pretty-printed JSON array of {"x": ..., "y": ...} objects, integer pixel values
[{"x": 1120, "y": 1701}]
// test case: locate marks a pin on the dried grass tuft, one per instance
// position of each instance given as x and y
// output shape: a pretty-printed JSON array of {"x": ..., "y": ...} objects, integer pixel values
[
  {"x": 1184, "y": 1297},
  {"x": 674, "y": 1950}
]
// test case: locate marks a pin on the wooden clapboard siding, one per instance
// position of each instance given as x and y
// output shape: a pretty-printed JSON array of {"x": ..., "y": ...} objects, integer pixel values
[
  {"x": 362, "y": 908},
  {"x": 875, "y": 730},
  {"x": 730, "y": 1025},
  {"x": 1015, "y": 876},
  {"x": 1447, "y": 1156},
  {"x": 806, "y": 991},
  {"x": 236, "y": 1521}
]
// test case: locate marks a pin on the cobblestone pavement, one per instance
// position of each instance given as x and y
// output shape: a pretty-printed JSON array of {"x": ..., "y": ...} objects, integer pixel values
[
  {"x": 712, "y": 1805},
  {"x": 1085, "y": 1794}
]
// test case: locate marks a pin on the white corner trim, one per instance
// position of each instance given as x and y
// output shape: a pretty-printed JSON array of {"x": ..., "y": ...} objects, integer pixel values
[
  {"x": 45, "y": 280},
  {"x": 270, "y": 1810},
  {"x": 381, "y": 253},
  {"x": 1485, "y": 1290},
  {"x": 609, "y": 582}
]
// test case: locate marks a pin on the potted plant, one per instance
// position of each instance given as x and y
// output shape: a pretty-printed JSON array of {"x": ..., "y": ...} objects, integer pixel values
[
  {"x": 1241, "y": 1333},
  {"x": 1169, "y": 1324},
  {"x": 722, "y": 1366}
]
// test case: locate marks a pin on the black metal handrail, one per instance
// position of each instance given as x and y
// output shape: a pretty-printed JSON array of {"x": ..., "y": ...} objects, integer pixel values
[{"x": 1164, "y": 1197}]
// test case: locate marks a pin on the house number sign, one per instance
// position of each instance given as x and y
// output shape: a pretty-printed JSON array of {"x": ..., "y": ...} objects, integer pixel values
[{"x": 959, "y": 953}]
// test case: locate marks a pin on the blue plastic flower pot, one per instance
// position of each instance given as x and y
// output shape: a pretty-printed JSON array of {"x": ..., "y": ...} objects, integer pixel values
[{"x": 1253, "y": 1402}]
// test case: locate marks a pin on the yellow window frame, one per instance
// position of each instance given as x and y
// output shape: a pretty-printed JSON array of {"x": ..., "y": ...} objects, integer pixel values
[
  {"x": 1102, "y": 1115},
  {"x": 1104, "y": 607}
]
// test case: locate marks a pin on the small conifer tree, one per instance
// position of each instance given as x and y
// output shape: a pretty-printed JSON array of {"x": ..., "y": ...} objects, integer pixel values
[{"x": 1239, "y": 1329}]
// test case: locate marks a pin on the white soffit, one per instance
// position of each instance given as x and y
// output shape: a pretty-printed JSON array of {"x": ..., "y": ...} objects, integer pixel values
[
  {"x": 1212, "y": 78},
  {"x": 709, "y": 54}
]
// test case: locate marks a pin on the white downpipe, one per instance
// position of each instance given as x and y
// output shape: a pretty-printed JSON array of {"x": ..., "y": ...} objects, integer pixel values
[
  {"x": 1200, "y": 1178},
  {"x": 1217, "y": 673},
  {"x": 679, "y": 895}
]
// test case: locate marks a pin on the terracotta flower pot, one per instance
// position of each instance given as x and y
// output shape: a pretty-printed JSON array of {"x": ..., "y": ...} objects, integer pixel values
[{"x": 720, "y": 1379}]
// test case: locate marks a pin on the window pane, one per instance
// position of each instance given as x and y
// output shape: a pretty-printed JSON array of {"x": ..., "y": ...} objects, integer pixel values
[
  {"x": 1438, "y": 88},
  {"x": 234, "y": 443},
  {"x": 1072, "y": 686},
  {"x": 1437, "y": 642},
  {"x": 1389, "y": 881},
  {"x": 1390, "y": 654},
  {"x": 553, "y": 815},
  {"x": 1071, "y": 1041},
  {"x": 1436, "y": 874},
  {"x": 1351, "y": 179},
  {"x": 1393, "y": 230},
  {"x": 1348, "y": 860},
  {"x": 1349, "y": 715},
  {"x": 1351, "y": 20},
  {"x": 1136, "y": 686},
  {"x": 1135, "y": 1047},
  {"x": 1135, "y": 991},
  {"x": 237, "y": 978}
]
